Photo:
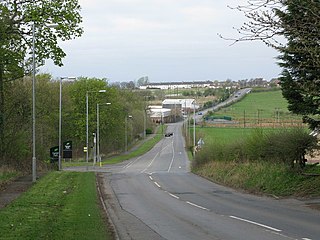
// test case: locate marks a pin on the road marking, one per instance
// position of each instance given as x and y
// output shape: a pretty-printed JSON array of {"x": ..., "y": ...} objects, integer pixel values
[
  {"x": 255, "y": 223},
  {"x": 170, "y": 166},
  {"x": 195, "y": 205},
  {"x": 150, "y": 178},
  {"x": 157, "y": 184},
  {"x": 150, "y": 163},
  {"x": 172, "y": 195},
  {"x": 306, "y": 239},
  {"x": 130, "y": 163}
]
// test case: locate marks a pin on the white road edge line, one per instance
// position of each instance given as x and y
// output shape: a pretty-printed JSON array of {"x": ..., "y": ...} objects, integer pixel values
[
  {"x": 258, "y": 224},
  {"x": 195, "y": 205},
  {"x": 172, "y": 195},
  {"x": 157, "y": 184}
]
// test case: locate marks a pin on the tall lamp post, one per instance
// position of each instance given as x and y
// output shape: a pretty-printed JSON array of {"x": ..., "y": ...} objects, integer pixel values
[
  {"x": 98, "y": 131},
  {"x": 60, "y": 117},
  {"x": 87, "y": 119},
  {"x": 126, "y": 132},
  {"x": 34, "y": 159},
  {"x": 194, "y": 129}
]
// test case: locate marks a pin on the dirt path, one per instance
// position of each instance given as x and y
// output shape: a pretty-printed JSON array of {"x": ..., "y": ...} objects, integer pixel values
[{"x": 14, "y": 189}]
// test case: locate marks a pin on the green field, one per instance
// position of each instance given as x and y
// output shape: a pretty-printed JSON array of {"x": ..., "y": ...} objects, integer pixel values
[
  {"x": 61, "y": 205},
  {"x": 260, "y": 107},
  {"x": 222, "y": 135}
]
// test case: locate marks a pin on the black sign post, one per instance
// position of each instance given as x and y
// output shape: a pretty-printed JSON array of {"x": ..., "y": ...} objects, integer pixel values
[
  {"x": 67, "y": 149},
  {"x": 54, "y": 154}
]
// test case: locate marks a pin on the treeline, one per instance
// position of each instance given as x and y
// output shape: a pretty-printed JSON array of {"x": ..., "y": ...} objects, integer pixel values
[{"x": 17, "y": 126}]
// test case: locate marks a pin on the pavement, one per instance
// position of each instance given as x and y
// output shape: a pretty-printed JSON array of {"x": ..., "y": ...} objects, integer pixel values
[{"x": 14, "y": 189}]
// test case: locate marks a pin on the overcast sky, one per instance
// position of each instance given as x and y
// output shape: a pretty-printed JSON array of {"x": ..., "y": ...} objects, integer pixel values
[{"x": 166, "y": 40}]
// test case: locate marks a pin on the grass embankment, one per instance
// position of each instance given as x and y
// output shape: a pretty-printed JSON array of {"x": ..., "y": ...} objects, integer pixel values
[
  {"x": 262, "y": 178},
  {"x": 257, "y": 161},
  {"x": 62, "y": 205}
]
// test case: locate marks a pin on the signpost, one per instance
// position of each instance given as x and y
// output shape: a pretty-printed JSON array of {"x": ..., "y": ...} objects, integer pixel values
[
  {"x": 54, "y": 154},
  {"x": 67, "y": 149}
]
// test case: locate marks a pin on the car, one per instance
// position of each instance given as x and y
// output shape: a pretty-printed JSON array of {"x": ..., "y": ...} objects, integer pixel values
[
  {"x": 199, "y": 113},
  {"x": 168, "y": 134}
]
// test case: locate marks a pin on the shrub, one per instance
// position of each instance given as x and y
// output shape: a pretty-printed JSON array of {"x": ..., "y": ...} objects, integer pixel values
[
  {"x": 287, "y": 146},
  {"x": 149, "y": 131}
]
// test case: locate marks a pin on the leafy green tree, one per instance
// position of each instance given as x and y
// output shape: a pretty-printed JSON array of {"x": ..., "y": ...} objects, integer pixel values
[
  {"x": 300, "y": 59},
  {"x": 298, "y": 22},
  {"x": 18, "y": 18}
]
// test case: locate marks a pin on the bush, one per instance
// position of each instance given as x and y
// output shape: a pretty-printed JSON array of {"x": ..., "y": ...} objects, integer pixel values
[
  {"x": 149, "y": 131},
  {"x": 287, "y": 146}
]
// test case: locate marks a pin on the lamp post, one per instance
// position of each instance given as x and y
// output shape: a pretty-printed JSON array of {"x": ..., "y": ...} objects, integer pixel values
[
  {"x": 60, "y": 118},
  {"x": 126, "y": 132},
  {"x": 34, "y": 159},
  {"x": 98, "y": 131},
  {"x": 194, "y": 129},
  {"x": 87, "y": 120}
]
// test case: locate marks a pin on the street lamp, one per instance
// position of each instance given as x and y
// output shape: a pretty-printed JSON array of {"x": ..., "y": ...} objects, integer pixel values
[
  {"x": 194, "y": 129},
  {"x": 126, "y": 132},
  {"x": 60, "y": 117},
  {"x": 87, "y": 120},
  {"x": 34, "y": 159},
  {"x": 98, "y": 131}
]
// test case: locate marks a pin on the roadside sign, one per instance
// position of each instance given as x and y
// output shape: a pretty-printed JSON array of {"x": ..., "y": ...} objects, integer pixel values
[
  {"x": 200, "y": 142},
  {"x": 54, "y": 153},
  {"x": 85, "y": 149},
  {"x": 67, "y": 149}
]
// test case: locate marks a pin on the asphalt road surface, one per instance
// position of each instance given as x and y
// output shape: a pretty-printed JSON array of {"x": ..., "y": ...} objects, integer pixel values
[
  {"x": 156, "y": 197},
  {"x": 235, "y": 97}
]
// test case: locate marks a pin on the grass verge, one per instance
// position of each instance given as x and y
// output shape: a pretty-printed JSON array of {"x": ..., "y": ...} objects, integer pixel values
[
  {"x": 142, "y": 149},
  {"x": 62, "y": 205},
  {"x": 262, "y": 178}
]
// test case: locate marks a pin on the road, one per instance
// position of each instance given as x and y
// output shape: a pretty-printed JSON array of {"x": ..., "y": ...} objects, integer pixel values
[
  {"x": 156, "y": 197},
  {"x": 239, "y": 94}
]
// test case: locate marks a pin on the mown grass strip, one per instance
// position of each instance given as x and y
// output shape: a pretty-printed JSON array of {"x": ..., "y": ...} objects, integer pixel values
[
  {"x": 62, "y": 205},
  {"x": 142, "y": 149}
]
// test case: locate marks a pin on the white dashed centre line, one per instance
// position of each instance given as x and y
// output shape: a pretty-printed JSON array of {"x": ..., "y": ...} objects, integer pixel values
[
  {"x": 258, "y": 224},
  {"x": 195, "y": 205},
  {"x": 157, "y": 184},
  {"x": 174, "y": 196}
]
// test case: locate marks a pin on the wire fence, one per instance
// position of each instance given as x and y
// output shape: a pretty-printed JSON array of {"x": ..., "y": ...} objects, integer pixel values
[{"x": 254, "y": 121}]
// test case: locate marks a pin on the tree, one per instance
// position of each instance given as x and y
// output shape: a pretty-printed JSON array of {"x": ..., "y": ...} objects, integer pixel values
[
  {"x": 298, "y": 23},
  {"x": 300, "y": 59},
  {"x": 143, "y": 81},
  {"x": 17, "y": 19}
]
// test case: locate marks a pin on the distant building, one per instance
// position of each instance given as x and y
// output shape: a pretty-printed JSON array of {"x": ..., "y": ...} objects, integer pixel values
[
  {"x": 159, "y": 114},
  {"x": 177, "y": 85},
  {"x": 184, "y": 105}
]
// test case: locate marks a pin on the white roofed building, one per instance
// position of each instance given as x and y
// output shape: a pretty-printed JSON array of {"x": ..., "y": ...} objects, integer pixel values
[{"x": 186, "y": 105}]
